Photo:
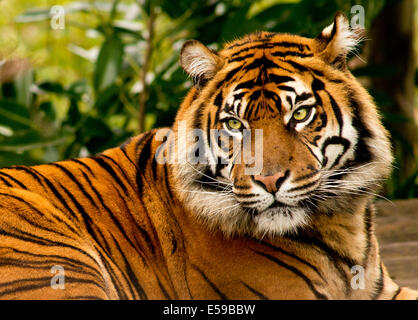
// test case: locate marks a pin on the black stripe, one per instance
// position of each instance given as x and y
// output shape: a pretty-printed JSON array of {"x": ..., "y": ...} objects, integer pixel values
[
  {"x": 14, "y": 180},
  {"x": 131, "y": 274},
  {"x": 6, "y": 182},
  {"x": 75, "y": 180},
  {"x": 379, "y": 284},
  {"x": 105, "y": 166},
  {"x": 167, "y": 183},
  {"x": 294, "y": 270},
  {"x": 164, "y": 291},
  {"x": 115, "y": 279},
  {"x": 142, "y": 161},
  {"x": 270, "y": 45},
  {"x": 59, "y": 260},
  {"x": 245, "y": 85},
  {"x": 45, "y": 282},
  {"x": 362, "y": 152},
  {"x": 144, "y": 233},
  {"x": 110, "y": 213},
  {"x": 120, "y": 168},
  {"x": 198, "y": 115},
  {"x": 58, "y": 218},
  {"x": 305, "y": 186},
  {"x": 145, "y": 154},
  {"x": 302, "y": 97},
  {"x": 396, "y": 293},
  {"x": 312, "y": 153},
  {"x": 241, "y": 58},
  {"x": 333, "y": 256},
  {"x": 337, "y": 112},
  {"x": 85, "y": 298},
  {"x": 307, "y": 176},
  {"x": 57, "y": 194},
  {"x": 81, "y": 163},
  {"x": 286, "y": 88},
  {"x": 228, "y": 77},
  {"x": 263, "y": 63},
  {"x": 257, "y": 293},
  {"x": 211, "y": 284},
  {"x": 314, "y": 268},
  {"x": 21, "y": 235},
  {"x": 279, "y": 79},
  {"x": 29, "y": 171},
  {"x": 144, "y": 137},
  {"x": 32, "y": 222},
  {"x": 284, "y": 54},
  {"x": 88, "y": 223},
  {"x": 336, "y": 141},
  {"x": 296, "y": 65}
]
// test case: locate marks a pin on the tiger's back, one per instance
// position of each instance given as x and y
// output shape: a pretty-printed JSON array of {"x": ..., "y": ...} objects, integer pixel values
[{"x": 86, "y": 216}]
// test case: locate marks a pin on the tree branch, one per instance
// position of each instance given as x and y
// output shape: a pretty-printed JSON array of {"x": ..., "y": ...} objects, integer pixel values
[{"x": 143, "y": 96}]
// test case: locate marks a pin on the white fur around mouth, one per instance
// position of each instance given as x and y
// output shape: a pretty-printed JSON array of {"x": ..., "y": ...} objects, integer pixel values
[{"x": 281, "y": 220}]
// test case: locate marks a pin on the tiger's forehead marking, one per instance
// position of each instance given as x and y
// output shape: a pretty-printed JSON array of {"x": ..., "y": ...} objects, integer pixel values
[
  {"x": 264, "y": 40},
  {"x": 249, "y": 101}
]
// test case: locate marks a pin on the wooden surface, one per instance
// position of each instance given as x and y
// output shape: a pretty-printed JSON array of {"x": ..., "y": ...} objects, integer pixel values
[{"x": 397, "y": 231}]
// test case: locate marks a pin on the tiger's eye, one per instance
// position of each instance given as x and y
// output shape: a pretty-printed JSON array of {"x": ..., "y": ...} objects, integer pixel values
[
  {"x": 301, "y": 114},
  {"x": 234, "y": 124}
]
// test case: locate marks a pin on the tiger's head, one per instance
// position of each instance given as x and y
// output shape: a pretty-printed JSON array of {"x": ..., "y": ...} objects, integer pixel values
[{"x": 322, "y": 144}]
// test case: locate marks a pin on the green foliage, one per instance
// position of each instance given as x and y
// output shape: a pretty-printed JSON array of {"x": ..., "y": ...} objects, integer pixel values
[{"x": 45, "y": 116}]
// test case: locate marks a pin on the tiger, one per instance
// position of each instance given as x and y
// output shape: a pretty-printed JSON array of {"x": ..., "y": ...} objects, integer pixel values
[{"x": 172, "y": 215}]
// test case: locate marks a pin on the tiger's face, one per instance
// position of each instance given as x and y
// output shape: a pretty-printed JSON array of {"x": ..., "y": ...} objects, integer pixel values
[{"x": 322, "y": 145}]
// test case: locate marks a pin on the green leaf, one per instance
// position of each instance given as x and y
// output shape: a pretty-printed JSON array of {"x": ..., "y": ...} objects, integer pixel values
[
  {"x": 50, "y": 86},
  {"x": 34, "y": 15},
  {"x": 107, "y": 100},
  {"x": 14, "y": 115},
  {"x": 73, "y": 114},
  {"x": 108, "y": 63},
  {"x": 48, "y": 109},
  {"x": 23, "y": 83},
  {"x": 29, "y": 140},
  {"x": 12, "y": 158}
]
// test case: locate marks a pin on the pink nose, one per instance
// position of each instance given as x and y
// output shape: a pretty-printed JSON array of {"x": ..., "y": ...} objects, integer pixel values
[{"x": 270, "y": 182}]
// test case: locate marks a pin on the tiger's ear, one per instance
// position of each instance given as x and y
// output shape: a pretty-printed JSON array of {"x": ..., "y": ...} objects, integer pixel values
[
  {"x": 337, "y": 40},
  {"x": 200, "y": 62}
]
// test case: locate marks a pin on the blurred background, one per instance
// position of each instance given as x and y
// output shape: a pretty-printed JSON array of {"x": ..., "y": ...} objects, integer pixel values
[{"x": 75, "y": 84}]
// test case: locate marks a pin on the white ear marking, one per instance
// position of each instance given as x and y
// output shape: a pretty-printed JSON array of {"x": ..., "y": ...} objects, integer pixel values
[
  {"x": 337, "y": 40},
  {"x": 200, "y": 62},
  {"x": 347, "y": 39}
]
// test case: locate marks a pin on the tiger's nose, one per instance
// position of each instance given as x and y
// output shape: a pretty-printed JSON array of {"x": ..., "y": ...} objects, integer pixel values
[{"x": 272, "y": 183}]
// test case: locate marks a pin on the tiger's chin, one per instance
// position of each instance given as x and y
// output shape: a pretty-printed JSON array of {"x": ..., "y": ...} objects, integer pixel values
[{"x": 277, "y": 221}]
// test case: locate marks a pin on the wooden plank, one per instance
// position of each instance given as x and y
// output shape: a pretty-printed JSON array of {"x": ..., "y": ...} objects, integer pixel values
[{"x": 397, "y": 231}]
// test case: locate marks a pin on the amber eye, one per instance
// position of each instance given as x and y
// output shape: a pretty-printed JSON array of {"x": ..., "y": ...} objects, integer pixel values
[
  {"x": 301, "y": 114},
  {"x": 234, "y": 124}
]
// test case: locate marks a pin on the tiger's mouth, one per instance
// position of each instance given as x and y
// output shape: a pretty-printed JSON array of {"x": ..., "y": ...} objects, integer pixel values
[{"x": 278, "y": 204}]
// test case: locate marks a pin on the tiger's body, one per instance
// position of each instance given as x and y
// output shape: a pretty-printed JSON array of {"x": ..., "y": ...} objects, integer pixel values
[{"x": 125, "y": 226}]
